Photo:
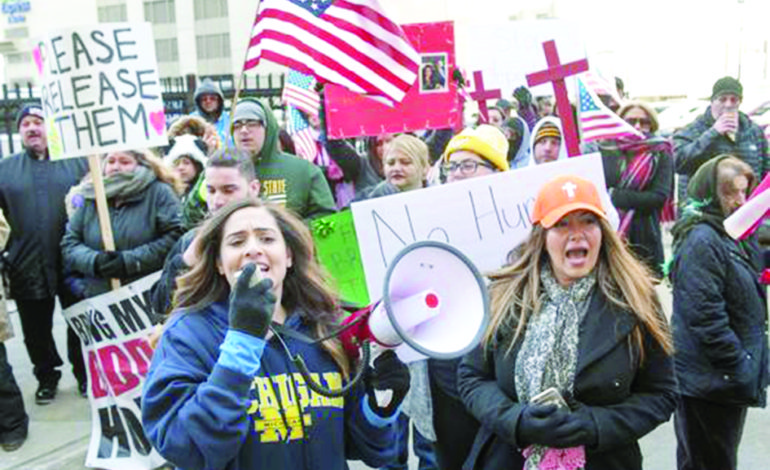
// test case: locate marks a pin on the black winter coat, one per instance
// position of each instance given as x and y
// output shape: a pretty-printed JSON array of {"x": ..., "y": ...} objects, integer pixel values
[
  {"x": 146, "y": 226},
  {"x": 626, "y": 400},
  {"x": 719, "y": 319},
  {"x": 32, "y": 198}
]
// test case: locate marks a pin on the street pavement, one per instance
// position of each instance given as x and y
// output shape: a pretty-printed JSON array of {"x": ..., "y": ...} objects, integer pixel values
[{"x": 59, "y": 432}]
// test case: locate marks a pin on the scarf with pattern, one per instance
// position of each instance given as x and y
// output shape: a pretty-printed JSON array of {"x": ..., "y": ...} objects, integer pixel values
[{"x": 549, "y": 352}]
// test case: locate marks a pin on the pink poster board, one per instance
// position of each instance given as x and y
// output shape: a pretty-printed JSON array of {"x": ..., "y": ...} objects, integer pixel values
[{"x": 432, "y": 103}]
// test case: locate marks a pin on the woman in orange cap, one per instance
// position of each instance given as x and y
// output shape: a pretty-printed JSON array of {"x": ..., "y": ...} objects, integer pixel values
[{"x": 576, "y": 364}]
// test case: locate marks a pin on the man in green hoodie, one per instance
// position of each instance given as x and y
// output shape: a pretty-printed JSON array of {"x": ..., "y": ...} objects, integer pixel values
[{"x": 285, "y": 179}]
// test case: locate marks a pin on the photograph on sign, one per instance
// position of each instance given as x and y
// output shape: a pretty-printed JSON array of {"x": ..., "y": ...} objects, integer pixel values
[
  {"x": 100, "y": 89},
  {"x": 433, "y": 73}
]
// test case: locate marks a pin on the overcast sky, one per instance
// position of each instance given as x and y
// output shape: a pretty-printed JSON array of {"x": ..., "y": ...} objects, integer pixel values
[{"x": 659, "y": 47}]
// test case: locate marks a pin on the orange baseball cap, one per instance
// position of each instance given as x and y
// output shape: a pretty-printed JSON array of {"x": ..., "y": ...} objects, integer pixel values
[{"x": 565, "y": 194}]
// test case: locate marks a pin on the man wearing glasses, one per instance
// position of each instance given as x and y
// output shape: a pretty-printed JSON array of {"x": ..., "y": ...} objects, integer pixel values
[{"x": 285, "y": 179}]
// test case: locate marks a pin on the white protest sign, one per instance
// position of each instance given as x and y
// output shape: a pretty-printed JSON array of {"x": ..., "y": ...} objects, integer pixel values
[
  {"x": 113, "y": 329},
  {"x": 483, "y": 217},
  {"x": 100, "y": 89}
]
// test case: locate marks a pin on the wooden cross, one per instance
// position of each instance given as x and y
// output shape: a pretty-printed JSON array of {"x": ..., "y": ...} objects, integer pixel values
[
  {"x": 481, "y": 95},
  {"x": 556, "y": 73}
]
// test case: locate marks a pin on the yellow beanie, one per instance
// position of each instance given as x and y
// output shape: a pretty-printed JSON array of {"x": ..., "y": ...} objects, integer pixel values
[{"x": 486, "y": 141}]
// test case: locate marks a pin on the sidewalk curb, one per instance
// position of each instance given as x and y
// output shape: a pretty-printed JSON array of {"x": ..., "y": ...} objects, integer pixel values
[{"x": 55, "y": 459}]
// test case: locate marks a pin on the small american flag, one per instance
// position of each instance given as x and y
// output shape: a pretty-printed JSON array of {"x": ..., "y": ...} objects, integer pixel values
[
  {"x": 347, "y": 42},
  {"x": 299, "y": 91},
  {"x": 599, "y": 122},
  {"x": 304, "y": 136}
]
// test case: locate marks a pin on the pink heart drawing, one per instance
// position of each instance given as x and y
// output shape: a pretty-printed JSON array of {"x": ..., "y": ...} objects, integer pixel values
[
  {"x": 38, "y": 60},
  {"x": 158, "y": 121}
]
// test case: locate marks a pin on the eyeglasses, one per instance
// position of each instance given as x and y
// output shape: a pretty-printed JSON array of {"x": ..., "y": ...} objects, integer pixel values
[
  {"x": 466, "y": 167},
  {"x": 640, "y": 121},
  {"x": 250, "y": 124}
]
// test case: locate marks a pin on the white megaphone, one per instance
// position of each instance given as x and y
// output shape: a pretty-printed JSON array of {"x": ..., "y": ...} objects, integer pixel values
[{"x": 434, "y": 304}]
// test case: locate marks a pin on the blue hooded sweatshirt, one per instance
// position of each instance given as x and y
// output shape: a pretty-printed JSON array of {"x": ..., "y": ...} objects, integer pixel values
[{"x": 201, "y": 410}]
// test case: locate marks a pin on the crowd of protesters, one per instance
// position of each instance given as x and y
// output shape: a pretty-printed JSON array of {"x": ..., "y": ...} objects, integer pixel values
[{"x": 224, "y": 210}]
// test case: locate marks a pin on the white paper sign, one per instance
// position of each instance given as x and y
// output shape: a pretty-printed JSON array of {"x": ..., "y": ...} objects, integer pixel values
[
  {"x": 100, "y": 89},
  {"x": 485, "y": 218},
  {"x": 113, "y": 329}
]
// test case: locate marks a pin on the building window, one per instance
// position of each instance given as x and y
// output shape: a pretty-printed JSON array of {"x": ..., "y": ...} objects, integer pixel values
[
  {"x": 167, "y": 50},
  {"x": 112, "y": 13},
  {"x": 20, "y": 58},
  {"x": 17, "y": 33},
  {"x": 159, "y": 11},
  {"x": 205, "y": 9},
  {"x": 213, "y": 46}
]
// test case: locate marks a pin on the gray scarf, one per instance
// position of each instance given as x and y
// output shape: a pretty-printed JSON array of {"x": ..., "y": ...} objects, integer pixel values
[{"x": 118, "y": 186}]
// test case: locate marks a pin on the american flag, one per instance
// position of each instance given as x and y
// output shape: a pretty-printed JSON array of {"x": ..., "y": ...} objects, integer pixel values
[
  {"x": 599, "y": 122},
  {"x": 348, "y": 42},
  {"x": 601, "y": 85},
  {"x": 299, "y": 91},
  {"x": 304, "y": 136}
]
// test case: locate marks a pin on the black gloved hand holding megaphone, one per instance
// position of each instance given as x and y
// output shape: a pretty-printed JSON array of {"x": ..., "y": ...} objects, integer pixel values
[
  {"x": 251, "y": 307},
  {"x": 387, "y": 373}
]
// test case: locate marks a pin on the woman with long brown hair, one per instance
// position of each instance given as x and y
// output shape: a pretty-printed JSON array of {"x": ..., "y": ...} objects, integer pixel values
[
  {"x": 575, "y": 365},
  {"x": 221, "y": 391}
]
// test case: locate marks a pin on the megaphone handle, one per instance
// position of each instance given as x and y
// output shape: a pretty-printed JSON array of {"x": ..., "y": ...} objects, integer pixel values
[{"x": 320, "y": 389}]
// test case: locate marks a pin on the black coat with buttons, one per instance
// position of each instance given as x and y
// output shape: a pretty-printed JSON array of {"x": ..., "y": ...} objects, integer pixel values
[
  {"x": 626, "y": 398},
  {"x": 32, "y": 198},
  {"x": 719, "y": 319}
]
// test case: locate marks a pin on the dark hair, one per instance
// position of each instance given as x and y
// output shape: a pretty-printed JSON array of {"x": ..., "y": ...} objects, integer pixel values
[
  {"x": 230, "y": 157},
  {"x": 287, "y": 143}
]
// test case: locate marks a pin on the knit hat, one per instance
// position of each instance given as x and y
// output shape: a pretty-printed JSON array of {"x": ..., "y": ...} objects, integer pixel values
[
  {"x": 248, "y": 110},
  {"x": 486, "y": 141},
  {"x": 562, "y": 195},
  {"x": 186, "y": 146},
  {"x": 547, "y": 130},
  {"x": 726, "y": 85},
  {"x": 29, "y": 109}
]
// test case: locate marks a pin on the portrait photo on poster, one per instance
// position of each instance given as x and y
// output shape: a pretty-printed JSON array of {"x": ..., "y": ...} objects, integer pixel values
[{"x": 433, "y": 73}]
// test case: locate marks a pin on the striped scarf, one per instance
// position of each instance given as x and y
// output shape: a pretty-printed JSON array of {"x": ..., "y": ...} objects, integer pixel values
[{"x": 640, "y": 159}]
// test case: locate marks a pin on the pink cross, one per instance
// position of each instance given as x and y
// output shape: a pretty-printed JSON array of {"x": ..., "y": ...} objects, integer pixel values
[
  {"x": 481, "y": 95},
  {"x": 556, "y": 72}
]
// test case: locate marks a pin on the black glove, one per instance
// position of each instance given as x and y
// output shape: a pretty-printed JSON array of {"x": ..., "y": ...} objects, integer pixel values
[
  {"x": 523, "y": 96},
  {"x": 251, "y": 308},
  {"x": 555, "y": 427},
  {"x": 109, "y": 264},
  {"x": 387, "y": 373}
]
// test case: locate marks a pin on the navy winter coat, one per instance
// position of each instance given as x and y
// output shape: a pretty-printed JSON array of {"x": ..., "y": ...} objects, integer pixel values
[{"x": 719, "y": 319}]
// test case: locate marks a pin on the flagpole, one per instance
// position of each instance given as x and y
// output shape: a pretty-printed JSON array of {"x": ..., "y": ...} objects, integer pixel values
[{"x": 243, "y": 71}]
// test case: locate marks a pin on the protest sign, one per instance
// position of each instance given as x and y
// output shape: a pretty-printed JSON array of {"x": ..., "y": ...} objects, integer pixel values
[
  {"x": 113, "y": 329},
  {"x": 337, "y": 250},
  {"x": 431, "y": 103},
  {"x": 100, "y": 89},
  {"x": 483, "y": 217}
]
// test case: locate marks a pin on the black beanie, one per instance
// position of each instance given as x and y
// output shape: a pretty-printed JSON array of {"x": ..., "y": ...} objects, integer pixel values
[
  {"x": 727, "y": 85},
  {"x": 29, "y": 109}
]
